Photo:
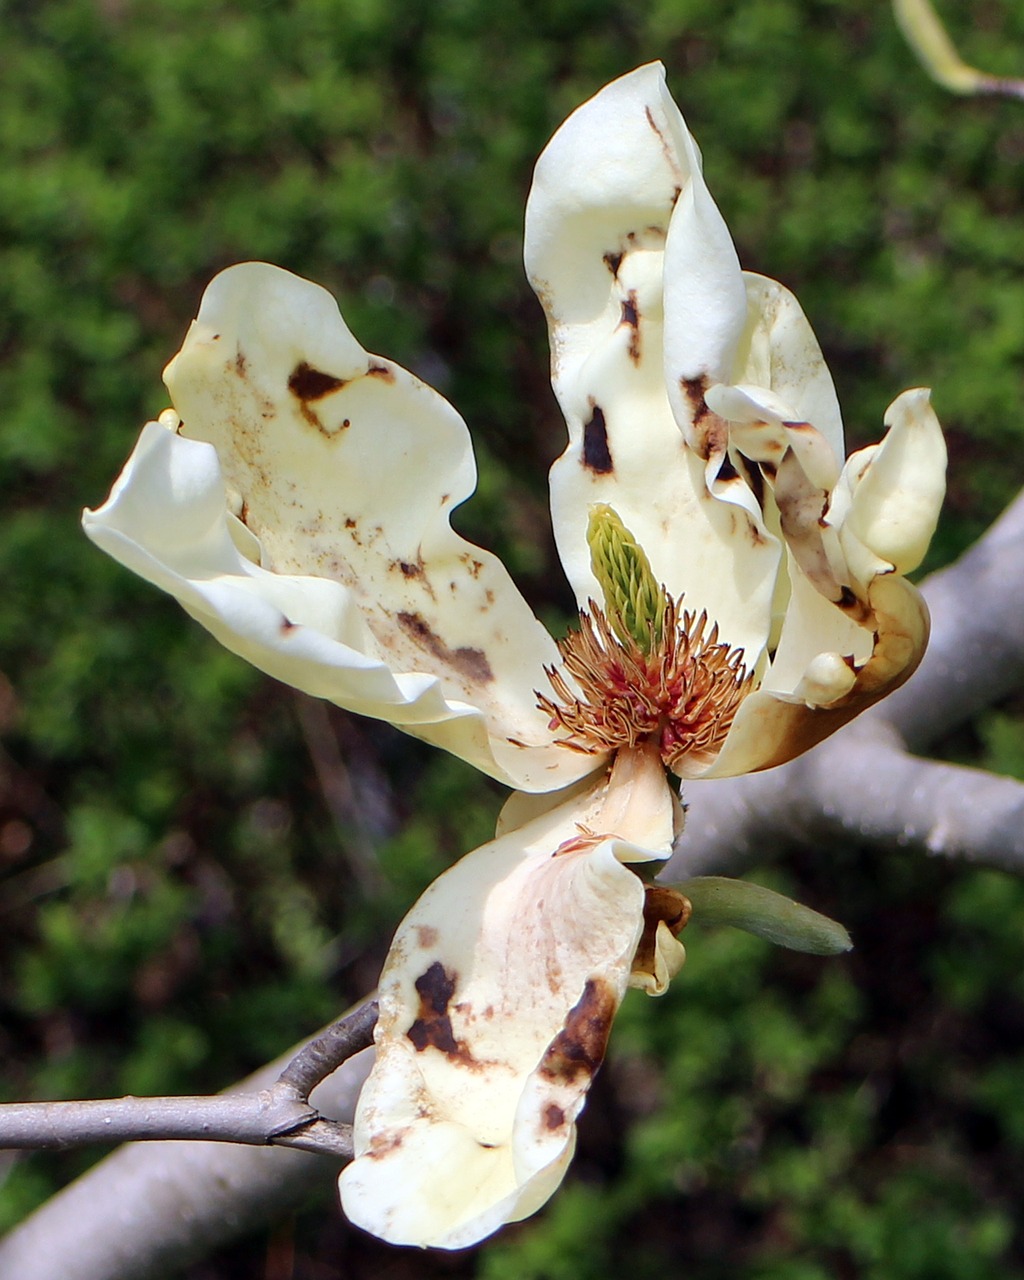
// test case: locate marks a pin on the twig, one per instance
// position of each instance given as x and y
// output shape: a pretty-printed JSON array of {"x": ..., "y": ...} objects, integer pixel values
[
  {"x": 280, "y": 1115},
  {"x": 322, "y": 1055}
]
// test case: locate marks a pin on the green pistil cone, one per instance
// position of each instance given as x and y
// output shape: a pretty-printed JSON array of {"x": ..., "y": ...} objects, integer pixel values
[{"x": 633, "y": 599}]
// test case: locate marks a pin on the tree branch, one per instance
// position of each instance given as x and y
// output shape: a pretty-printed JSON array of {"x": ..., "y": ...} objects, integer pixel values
[
  {"x": 148, "y": 1210},
  {"x": 281, "y": 1115}
]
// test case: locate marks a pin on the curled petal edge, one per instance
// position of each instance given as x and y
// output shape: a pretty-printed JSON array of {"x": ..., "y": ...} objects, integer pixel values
[{"x": 772, "y": 727}]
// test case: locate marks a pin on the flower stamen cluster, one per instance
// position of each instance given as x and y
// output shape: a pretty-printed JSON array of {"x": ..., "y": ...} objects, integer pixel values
[{"x": 680, "y": 690}]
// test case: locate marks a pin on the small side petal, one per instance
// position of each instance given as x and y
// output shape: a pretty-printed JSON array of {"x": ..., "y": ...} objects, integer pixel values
[
  {"x": 496, "y": 1003},
  {"x": 896, "y": 500},
  {"x": 773, "y": 725},
  {"x": 779, "y": 350}
]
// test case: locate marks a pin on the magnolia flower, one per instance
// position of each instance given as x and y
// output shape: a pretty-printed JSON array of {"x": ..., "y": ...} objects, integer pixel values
[{"x": 740, "y": 592}]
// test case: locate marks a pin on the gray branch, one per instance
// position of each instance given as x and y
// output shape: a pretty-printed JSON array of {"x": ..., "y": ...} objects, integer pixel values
[
  {"x": 280, "y": 1115},
  {"x": 258, "y": 1119},
  {"x": 148, "y": 1210}
]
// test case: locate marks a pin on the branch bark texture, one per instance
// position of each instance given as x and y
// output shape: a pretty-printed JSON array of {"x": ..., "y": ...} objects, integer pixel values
[{"x": 147, "y": 1211}]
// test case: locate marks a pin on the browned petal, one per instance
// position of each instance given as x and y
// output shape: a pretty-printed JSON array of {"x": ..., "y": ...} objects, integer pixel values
[{"x": 771, "y": 728}]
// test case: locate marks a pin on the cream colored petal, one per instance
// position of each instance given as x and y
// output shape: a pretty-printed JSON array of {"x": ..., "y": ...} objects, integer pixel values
[
  {"x": 495, "y": 1007},
  {"x": 814, "y": 627},
  {"x": 763, "y": 425},
  {"x": 167, "y": 520},
  {"x": 898, "y": 490},
  {"x": 598, "y": 216},
  {"x": 705, "y": 299},
  {"x": 779, "y": 352},
  {"x": 773, "y": 726},
  {"x": 345, "y": 469}
]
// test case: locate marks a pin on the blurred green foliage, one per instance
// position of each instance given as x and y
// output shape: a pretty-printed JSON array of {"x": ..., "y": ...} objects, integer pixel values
[{"x": 179, "y": 900}]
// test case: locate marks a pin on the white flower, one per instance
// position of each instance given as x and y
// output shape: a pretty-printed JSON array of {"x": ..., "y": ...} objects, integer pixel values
[{"x": 296, "y": 501}]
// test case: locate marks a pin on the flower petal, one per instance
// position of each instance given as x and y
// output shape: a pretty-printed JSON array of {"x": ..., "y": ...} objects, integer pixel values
[
  {"x": 495, "y": 1007},
  {"x": 779, "y": 350},
  {"x": 897, "y": 492},
  {"x": 613, "y": 179},
  {"x": 345, "y": 468},
  {"x": 775, "y": 725}
]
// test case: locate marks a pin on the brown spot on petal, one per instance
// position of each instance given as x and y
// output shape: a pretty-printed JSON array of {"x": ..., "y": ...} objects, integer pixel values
[
  {"x": 241, "y": 365},
  {"x": 631, "y": 318},
  {"x": 426, "y": 936},
  {"x": 470, "y": 663},
  {"x": 307, "y": 383},
  {"x": 554, "y": 1116},
  {"x": 382, "y": 371},
  {"x": 578, "y": 1049},
  {"x": 382, "y": 1144},
  {"x": 613, "y": 261},
  {"x": 433, "y": 1027},
  {"x": 287, "y": 625},
  {"x": 596, "y": 454},
  {"x": 661, "y": 138},
  {"x": 711, "y": 432}
]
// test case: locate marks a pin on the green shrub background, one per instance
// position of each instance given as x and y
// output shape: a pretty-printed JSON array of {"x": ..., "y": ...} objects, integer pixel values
[{"x": 178, "y": 901}]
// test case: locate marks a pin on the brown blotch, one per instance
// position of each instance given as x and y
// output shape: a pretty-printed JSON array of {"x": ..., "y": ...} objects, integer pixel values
[
  {"x": 660, "y": 905},
  {"x": 470, "y": 663},
  {"x": 433, "y": 1026},
  {"x": 693, "y": 389},
  {"x": 381, "y": 371},
  {"x": 613, "y": 261},
  {"x": 349, "y": 523},
  {"x": 307, "y": 383},
  {"x": 651, "y": 121},
  {"x": 382, "y": 1145},
  {"x": 554, "y": 1116},
  {"x": 631, "y": 317},
  {"x": 578, "y": 1049},
  {"x": 596, "y": 454},
  {"x": 241, "y": 365},
  {"x": 410, "y": 570}
]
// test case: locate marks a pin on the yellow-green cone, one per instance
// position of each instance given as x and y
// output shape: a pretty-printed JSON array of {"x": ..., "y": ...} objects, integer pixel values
[{"x": 633, "y": 600}]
